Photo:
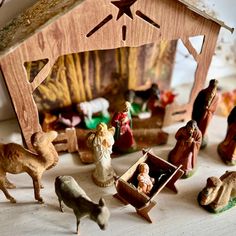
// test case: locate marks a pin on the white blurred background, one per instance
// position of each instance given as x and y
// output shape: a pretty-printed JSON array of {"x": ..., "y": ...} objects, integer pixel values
[{"x": 223, "y": 65}]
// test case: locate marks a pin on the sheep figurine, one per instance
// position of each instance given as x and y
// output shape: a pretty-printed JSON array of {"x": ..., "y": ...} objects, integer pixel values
[
  {"x": 93, "y": 106},
  {"x": 73, "y": 196}
]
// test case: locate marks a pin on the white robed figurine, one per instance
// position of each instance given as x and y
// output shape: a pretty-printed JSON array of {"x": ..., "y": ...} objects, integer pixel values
[{"x": 101, "y": 142}]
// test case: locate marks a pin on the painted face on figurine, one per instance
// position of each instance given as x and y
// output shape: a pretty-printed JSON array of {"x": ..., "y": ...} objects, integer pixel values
[
  {"x": 126, "y": 107},
  {"x": 144, "y": 168},
  {"x": 102, "y": 128},
  {"x": 213, "y": 86},
  {"x": 191, "y": 125}
]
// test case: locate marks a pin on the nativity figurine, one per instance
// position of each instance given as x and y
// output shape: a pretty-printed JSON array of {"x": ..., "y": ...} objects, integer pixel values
[
  {"x": 94, "y": 112},
  {"x": 122, "y": 122},
  {"x": 73, "y": 196},
  {"x": 204, "y": 107},
  {"x": 186, "y": 149},
  {"x": 15, "y": 159},
  {"x": 101, "y": 142},
  {"x": 219, "y": 194},
  {"x": 88, "y": 108},
  {"x": 143, "y": 96},
  {"x": 145, "y": 182},
  {"x": 227, "y": 148}
]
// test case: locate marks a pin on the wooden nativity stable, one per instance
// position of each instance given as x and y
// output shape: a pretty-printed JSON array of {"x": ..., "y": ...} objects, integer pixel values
[{"x": 50, "y": 29}]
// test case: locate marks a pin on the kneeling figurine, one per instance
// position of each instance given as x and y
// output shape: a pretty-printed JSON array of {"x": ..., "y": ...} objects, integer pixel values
[
  {"x": 219, "y": 194},
  {"x": 186, "y": 149},
  {"x": 74, "y": 197}
]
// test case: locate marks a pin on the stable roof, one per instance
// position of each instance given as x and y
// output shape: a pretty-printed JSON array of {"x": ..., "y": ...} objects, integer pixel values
[{"x": 44, "y": 12}]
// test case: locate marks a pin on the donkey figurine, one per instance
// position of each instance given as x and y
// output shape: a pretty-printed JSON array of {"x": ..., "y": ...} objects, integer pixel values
[{"x": 68, "y": 191}]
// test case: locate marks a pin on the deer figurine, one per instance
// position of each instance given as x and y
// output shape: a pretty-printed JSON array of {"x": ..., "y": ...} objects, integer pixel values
[{"x": 15, "y": 159}]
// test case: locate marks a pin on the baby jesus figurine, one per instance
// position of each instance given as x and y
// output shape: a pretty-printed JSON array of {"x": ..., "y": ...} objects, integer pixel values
[{"x": 145, "y": 182}]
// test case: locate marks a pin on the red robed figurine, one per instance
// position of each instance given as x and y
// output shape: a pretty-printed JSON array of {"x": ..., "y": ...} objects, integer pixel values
[{"x": 124, "y": 140}]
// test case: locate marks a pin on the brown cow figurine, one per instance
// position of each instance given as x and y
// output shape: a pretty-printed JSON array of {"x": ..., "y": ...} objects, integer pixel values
[
  {"x": 15, "y": 159},
  {"x": 68, "y": 191}
]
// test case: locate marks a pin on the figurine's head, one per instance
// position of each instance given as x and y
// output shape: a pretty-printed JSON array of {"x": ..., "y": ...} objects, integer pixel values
[
  {"x": 42, "y": 139},
  {"x": 101, "y": 128},
  {"x": 191, "y": 126},
  {"x": 143, "y": 168},
  {"x": 154, "y": 86},
  {"x": 155, "y": 90},
  {"x": 126, "y": 106},
  {"x": 101, "y": 214},
  {"x": 213, "y": 83},
  {"x": 209, "y": 193}
]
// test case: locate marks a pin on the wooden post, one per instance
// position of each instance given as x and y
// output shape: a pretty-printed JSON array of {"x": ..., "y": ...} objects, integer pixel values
[
  {"x": 67, "y": 141},
  {"x": 21, "y": 95}
]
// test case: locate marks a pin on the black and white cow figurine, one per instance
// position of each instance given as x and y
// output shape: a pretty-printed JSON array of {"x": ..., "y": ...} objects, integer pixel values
[{"x": 143, "y": 96}]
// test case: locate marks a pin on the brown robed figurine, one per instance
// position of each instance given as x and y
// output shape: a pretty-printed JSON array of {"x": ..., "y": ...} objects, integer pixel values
[
  {"x": 204, "y": 107},
  {"x": 187, "y": 147},
  {"x": 227, "y": 148}
]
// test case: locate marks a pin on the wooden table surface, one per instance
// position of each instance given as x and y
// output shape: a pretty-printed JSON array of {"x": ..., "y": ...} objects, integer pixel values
[{"x": 174, "y": 214}]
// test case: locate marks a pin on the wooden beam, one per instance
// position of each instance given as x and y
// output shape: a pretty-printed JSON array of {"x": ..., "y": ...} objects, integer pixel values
[
  {"x": 42, "y": 75},
  {"x": 191, "y": 49}
]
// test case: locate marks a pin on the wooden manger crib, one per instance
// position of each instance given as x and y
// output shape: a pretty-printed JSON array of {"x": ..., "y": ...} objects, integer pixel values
[{"x": 128, "y": 193}]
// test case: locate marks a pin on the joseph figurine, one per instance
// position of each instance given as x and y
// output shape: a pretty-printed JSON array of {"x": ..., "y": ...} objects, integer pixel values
[
  {"x": 204, "y": 107},
  {"x": 186, "y": 148}
]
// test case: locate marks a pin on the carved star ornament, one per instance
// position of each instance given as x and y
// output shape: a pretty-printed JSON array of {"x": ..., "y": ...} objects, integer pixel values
[{"x": 124, "y": 7}]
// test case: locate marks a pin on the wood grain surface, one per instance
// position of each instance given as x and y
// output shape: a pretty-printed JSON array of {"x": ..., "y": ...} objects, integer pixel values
[{"x": 69, "y": 33}]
